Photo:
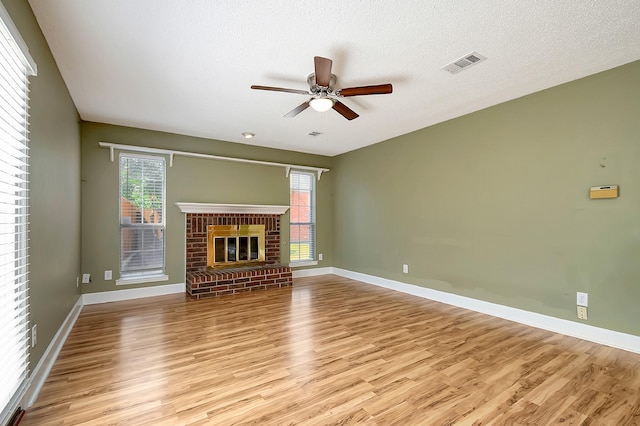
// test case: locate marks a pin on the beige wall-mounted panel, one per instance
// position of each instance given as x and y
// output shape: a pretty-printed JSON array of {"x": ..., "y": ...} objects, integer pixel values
[{"x": 607, "y": 191}]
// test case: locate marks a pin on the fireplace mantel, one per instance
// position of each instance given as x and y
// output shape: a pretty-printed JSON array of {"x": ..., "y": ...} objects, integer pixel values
[{"x": 231, "y": 208}]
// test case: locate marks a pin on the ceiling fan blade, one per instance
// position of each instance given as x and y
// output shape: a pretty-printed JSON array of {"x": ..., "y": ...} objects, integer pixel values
[
  {"x": 379, "y": 89},
  {"x": 323, "y": 71},
  {"x": 297, "y": 110},
  {"x": 280, "y": 89},
  {"x": 344, "y": 110}
]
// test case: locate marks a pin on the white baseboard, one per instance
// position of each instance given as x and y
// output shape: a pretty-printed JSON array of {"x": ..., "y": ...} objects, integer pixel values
[
  {"x": 628, "y": 342},
  {"x": 312, "y": 272},
  {"x": 132, "y": 293},
  {"x": 41, "y": 371}
]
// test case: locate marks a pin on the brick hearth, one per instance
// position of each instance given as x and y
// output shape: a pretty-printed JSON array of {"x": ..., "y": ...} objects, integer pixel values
[
  {"x": 232, "y": 281},
  {"x": 201, "y": 282}
]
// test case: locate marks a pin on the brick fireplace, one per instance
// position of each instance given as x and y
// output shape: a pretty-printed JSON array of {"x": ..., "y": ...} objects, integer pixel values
[{"x": 202, "y": 281}]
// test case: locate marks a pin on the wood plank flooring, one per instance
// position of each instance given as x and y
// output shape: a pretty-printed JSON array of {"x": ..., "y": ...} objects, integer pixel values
[{"x": 327, "y": 351}]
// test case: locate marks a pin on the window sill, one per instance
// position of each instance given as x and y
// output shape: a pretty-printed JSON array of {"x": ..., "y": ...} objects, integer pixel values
[
  {"x": 303, "y": 263},
  {"x": 139, "y": 279}
]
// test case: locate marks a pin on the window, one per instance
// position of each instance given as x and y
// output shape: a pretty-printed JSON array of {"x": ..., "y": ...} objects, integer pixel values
[
  {"x": 302, "y": 201},
  {"x": 15, "y": 68},
  {"x": 142, "y": 208}
]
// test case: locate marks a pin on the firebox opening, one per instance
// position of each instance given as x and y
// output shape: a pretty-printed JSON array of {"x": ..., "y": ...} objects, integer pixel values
[{"x": 235, "y": 245}]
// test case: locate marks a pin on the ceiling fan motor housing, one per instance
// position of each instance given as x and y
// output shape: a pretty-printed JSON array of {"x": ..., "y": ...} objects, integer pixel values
[{"x": 318, "y": 90}]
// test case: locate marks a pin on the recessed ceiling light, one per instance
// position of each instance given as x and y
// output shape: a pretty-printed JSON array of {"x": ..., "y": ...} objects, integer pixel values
[{"x": 248, "y": 135}]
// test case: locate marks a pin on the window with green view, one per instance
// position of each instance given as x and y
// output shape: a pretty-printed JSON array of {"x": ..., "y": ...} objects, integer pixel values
[
  {"x": 142, "y": 212},
  {"x": 302, "y": 216}
]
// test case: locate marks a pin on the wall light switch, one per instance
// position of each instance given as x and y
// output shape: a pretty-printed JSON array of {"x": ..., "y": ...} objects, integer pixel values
[
  {"x": 107, "y": 275},
  {"x": 582, "y": 299}
]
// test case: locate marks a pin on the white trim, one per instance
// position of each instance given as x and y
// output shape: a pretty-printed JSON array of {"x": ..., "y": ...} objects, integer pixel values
[
  {"x": 313, "y": 272},
  {"x": 616, "y": 339},
  {"x": 132, "y": 293},
  {"x": 42, "y": 370},
  {"x": 186, "y": 207},
  {"x": 171, "y": 153},
  {"x": 143, "y": 156},
  {"x": 303, "y": 263},
  {"x": 140, "y": 279}
]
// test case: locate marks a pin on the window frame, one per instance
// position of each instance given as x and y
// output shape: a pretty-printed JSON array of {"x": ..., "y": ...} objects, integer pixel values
[
  {"x": 18, "y": 66},
  {"x": 154, "y": 274},
  {"x": 312, "y": 260}
]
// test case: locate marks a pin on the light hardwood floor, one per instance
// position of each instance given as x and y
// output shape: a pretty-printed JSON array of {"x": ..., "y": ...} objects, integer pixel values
[{"x": 327, "y": 351}]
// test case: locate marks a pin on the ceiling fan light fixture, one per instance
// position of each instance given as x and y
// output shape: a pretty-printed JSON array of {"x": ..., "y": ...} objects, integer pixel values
[
  {"x": 321, "y": 104},
  {"x": 323, "y": 96}
]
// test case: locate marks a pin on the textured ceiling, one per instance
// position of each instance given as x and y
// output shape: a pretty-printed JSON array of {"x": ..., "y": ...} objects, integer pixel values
[{"x": 187, "y": 66}]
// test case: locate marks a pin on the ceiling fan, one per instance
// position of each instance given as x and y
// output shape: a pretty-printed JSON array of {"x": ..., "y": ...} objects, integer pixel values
[{"x": 323, "y": 94}]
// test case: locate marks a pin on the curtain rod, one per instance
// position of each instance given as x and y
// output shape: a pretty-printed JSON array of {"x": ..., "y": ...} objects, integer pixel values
[{"x": 171, "y": 153}]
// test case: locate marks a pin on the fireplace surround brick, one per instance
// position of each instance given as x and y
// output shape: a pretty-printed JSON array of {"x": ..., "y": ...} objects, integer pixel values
[{"x": 202, "y": 282}]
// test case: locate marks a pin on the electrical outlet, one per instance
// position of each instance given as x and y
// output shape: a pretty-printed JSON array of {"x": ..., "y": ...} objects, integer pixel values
[
  {"x": 582, "y": 312},
  {"x": 86, "y": 278},
  {"x": 320, "y": 257},
  {"x": 582, "y": 299},
  {"x": 34, "y": 335},
  {"x": 108, "y": 275},
  {"x": 405, "y": 269}
]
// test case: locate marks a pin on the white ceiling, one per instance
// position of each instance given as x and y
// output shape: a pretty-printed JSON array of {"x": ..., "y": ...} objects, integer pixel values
[{"x": 187, "y": 66}]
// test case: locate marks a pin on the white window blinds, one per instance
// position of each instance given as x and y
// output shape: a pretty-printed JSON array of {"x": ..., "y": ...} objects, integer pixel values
[
  {"x": 15, "y": 69},
  {"x": 142, "y": 207},
  {"x": 302, "y": 221}
]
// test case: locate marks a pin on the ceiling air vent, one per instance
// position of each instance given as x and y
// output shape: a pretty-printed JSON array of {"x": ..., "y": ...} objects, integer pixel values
[{"x": 467, "y": 61}]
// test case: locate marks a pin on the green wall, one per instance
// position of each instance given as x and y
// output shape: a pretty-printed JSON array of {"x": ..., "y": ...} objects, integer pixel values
[
  {"x": 189, "y": 180},
  {"x": 494, "y": 205},
  {"x": 54, "y": 232}
]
